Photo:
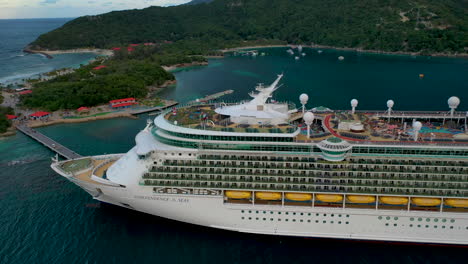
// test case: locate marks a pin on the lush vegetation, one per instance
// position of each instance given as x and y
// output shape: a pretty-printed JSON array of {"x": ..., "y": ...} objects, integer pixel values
[
  {"x": 426, "y": 26},
  {"x": 4, "y": 122},
  {"x": 127, "y": 74}
]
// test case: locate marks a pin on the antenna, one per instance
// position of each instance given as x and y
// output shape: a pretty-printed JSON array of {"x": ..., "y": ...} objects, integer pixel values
[
  {"x": 303, "y": 98},
  {"x": 390, "y": 104},
  {"x": 453, "y": 103},
  {"x": 354, "y": 104},
  {"x": 416, "y": 127},
  {"x": 308, "y": 119}
]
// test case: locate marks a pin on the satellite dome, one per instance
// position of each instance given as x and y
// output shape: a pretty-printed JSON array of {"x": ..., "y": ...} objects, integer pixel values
[
  {"x": 303, "y": 98},
  {"x": 390, "y": 103},
  {"x": 453, "y": 102},
  {"x": 417, "y": 125},
  {"x": 308, "y": 118},
  {"x": 354, "y": 103}
]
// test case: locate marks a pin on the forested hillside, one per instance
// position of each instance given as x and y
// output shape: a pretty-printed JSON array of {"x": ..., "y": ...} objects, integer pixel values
[{"x": 427, "y": 26}]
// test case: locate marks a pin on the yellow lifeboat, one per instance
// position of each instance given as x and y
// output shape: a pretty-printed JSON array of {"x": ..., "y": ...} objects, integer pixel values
[
  {"x": 238, "y": 194},
  {"x": 329, "y": 198},
  {"x": 299, "y": 196},
  {"x": 425, "y": 201},
  {"x": 393, "y": 200},
  {"x": 268, "y": 195},
  {"x": 362, "y": 199},
  {"x": 456, "y": 202}
]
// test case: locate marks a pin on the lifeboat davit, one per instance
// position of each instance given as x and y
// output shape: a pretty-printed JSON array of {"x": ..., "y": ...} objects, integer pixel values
[
  {"x": 362, "y": 199},
  {"x": 393, "y": 200},
  {"x": 299, "y": 197},
  {"x": 456, "y": 202},
  {"x": 426, "y": 201},
  {"x": 329, "y": 198},
  {"x": 268, "y": 196},
  {"x": 238, "y": 194}
]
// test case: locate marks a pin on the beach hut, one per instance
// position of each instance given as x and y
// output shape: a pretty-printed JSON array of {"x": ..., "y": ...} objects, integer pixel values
[
  {"x": 25, "y": 92},
  {"x": 99, "y": 67},
  {"x": 122, "y": 103},
  {"x": 39, "y": 115},
  {"x": 11, "y": 117},
  {"x": 82, "y": 109}
]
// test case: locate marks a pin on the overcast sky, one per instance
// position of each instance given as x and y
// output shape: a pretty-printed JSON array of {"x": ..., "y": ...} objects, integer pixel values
[{"x": 72, "y": 8}]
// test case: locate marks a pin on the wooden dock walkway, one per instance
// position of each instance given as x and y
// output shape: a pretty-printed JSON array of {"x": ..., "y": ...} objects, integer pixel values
[
  {"x": 153, "y": 109},
  {"x": 48, "y": 142}
]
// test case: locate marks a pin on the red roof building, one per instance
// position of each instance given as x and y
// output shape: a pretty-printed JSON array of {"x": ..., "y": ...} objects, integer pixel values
[
  {"x": 25, "y": 92},
  {"x": 116, "y": 48},
  {"x": 122, "y": 102},
  {"x": 83, "y": 109},
  {"x": 11, "y": 117},
  {"x": 99, "y": 67},
  {"x": 134, "y": 45},
  {"x": 39, "y": 114},
  {"x": 130, "y": 49}
]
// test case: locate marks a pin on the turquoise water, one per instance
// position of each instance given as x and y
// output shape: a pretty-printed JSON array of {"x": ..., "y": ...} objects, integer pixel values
[
  {"x": 15, "y": 65},
  {"x": 46, "y": 219}
]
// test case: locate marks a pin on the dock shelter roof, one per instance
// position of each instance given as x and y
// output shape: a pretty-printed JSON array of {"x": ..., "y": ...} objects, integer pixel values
[{"x": 39, "y": 114}]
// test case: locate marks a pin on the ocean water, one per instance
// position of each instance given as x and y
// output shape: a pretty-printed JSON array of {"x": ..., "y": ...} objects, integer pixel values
[
  {"x": 46, "y": 219},
  {"x": 15, "y": 65}
]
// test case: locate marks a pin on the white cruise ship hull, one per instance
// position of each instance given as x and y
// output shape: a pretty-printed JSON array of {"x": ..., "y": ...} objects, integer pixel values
[{"x": 324, "y": 222}]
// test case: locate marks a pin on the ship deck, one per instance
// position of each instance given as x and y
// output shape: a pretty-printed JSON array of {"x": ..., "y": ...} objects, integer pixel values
[{"x": 439, "y": 128}]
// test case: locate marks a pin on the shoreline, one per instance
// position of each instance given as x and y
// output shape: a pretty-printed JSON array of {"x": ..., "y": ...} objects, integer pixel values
[
  {"x": 49, "y": 53},
  {"x": 360, "y": 50},
  {"x": 183, "y": 65},
  {"x": 36, "y": 124}
]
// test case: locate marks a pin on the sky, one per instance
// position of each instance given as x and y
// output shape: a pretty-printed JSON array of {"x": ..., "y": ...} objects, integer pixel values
[{"x": 73, "y": 8}]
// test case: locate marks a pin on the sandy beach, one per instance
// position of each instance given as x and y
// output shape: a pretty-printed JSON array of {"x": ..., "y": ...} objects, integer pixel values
[{"x": 50, "y": 53}]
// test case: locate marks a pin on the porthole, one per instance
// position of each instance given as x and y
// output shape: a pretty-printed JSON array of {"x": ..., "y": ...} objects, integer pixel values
[
  {"x": 332, "y": 215},
  {"x": 264, "y": 219},
  {"x": 324, "y": 214},
  {"x": 294, "y": 213},
  {"x": 396, "y": 218},
  {"x": 331, "y": 222},
  {"x": 308, "y": 221},
  {"x": 316, "y": 221},
  {"x": 339, "y": 222},
  {"x": 324, "y": 221},
  {"x": 451, "y": 227},
  {"x": 242, "y": 211},
  {"x": 271, "y": 212},
  {"x": 286, "y": 220},
  {"x": 302, "y": 213},
  {"x": 279, "y": 213},
  {"x": 411, "y": 219},
  {"x": 380, "y": 217},
  {"x": 419, "y": 219},
  {"x": 347, "y": 223},
  {"x": 256, "y": 218},
  {"x": 256, "y": 212},
  {"x": 444, "y": 220},
  {"x": 394, "y": 224},
  {"x": 242, "y": 218},
  {"x": 264, "y": 212},
  {"x": 435, "y": 226},
  {"x": 302, "y": 220},
  {"x": 250, "y": 212},
  {"x": 279, "y": 219},
  {"x": 419, "y": 225},
  {"x": 386, "y": 224},
  {"x": 250, "y": 218},
  {"x": 287, "y": 213},
  {"x": 339, "y": 215},
  {"x": 411, "y": 225},
  {"x": 427, "y": 226},
  {"x": 309, "y": 214},
  {"x": 271, "y": 219},
  {"x": 436, "y": 220},
  {"x": 347, "y": 215},
  {"x": 317, "y": 214},
  {"x": 428, "y": 219},
  {"x": 452, "y": 221},
  {"x": 443, "y": 227},
  {"x": 388, "y": 217}
]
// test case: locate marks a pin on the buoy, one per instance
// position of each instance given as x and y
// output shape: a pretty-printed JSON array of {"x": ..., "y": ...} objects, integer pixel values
[
  {"x": 421, "y": 75},
  {"x": 341, "y": 58}
]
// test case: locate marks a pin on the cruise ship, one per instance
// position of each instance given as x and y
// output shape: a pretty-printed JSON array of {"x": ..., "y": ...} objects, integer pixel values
[{"x": 267, "y": 167}]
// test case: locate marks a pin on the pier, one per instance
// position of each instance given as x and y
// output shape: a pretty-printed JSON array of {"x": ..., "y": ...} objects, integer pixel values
[
  {"x": 153, "y": 109},
  {"x": 48, "y": 142},
  {"x": 212, "y": 96}
]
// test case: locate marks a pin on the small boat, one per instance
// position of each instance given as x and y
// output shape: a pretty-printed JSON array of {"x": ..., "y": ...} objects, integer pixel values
[
  {"x": 456, "y": 202},
  {"x": 362, "y": 199},
  {"x": 298, "y": 196},
  {"x": 420, "y": 201},
  {"x": 303, "y": 54},
  {"x": 273, "y": 196},
  {"x": 238, "y": 194},
  {"x": 319, "y": 51},
  {"x": 421, "y": 75},
  {"x": 329, "y": 198},
  {"x": 296, "y": 58},
  {"x": 340, "y": 58},
  {"x": 393, "y": 200}
]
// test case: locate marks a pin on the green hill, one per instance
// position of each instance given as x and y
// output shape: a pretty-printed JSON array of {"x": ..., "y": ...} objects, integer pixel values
[{"x": 427, "y": 26}]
